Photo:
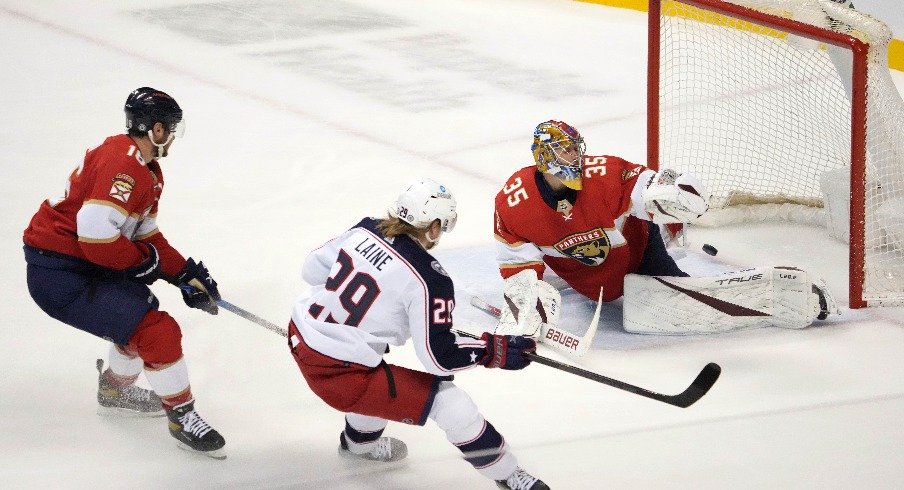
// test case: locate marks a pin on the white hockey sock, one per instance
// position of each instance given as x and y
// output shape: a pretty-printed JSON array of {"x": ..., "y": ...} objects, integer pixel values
[
  {"x": 125, "y": 368},
  {"x": 170, "y": 380}
]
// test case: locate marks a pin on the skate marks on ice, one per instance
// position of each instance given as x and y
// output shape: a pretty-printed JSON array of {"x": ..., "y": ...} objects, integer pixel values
[
  {"x": 372, "y": 50},
  {"x": 474, "y": 271}
]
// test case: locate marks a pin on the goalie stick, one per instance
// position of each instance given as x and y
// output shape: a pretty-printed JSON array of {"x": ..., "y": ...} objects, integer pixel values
[
  {"x": 560, "y": 340},
  {"x": 699, "y": 387},
  {"x": 694, "y": 392}
]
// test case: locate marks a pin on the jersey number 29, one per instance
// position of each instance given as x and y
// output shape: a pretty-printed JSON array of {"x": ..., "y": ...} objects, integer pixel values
[{"x": 358, "y": 293}]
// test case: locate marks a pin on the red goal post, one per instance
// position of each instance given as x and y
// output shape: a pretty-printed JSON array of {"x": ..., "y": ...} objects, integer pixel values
[{"x": 747, "y": 99}]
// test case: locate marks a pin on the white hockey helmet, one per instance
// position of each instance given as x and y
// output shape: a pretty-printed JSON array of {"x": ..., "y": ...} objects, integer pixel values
[{"x": 423, "y": 201}]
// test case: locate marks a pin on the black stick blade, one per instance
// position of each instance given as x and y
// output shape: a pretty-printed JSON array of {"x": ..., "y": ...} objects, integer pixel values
[{"x": 700, "y": 386}]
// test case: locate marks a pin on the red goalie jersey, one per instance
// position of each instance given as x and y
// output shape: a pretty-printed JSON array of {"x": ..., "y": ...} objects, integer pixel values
[{"x": 590, "y": 238}]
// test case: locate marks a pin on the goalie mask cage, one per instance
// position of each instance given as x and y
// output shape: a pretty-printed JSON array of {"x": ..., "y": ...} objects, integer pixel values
[{"x": 763, "y": 98}]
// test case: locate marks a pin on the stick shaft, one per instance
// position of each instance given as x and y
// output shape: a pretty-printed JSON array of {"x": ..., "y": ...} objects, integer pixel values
[
  {"x": 252, "y": 317},
  {"x": 699, "y": 387}
]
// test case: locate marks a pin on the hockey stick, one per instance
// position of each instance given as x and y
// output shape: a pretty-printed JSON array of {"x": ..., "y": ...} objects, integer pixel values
[
  {"x": 699, "y": 387},
  {"x": 701, "y": 384},
  {"x": 694, "y": 392},
  {"x": 247, "y": 315},
  {"x": 555, "y": 338}
]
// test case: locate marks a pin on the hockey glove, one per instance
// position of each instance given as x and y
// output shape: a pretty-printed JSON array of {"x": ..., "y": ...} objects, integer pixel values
[
  {"x": 671, "y": 197},
  {"x": 199, "y": 290},
  {"x": 148, "y": 270},
  {"x": 507, "y": 351}
]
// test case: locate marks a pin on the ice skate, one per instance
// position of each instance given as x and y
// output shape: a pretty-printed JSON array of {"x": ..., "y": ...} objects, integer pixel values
[
  {"x": 522, "y": 480},
  {"x": 128, "y": 401},
  {"x": 386, "y": 450},
  {"x": 193, "y": 433}
]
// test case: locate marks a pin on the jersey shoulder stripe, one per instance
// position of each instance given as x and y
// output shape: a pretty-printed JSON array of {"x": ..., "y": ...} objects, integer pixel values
[{"x": 422, "y": 263}]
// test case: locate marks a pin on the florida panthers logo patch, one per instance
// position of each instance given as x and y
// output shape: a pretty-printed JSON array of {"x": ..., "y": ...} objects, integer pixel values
[
  {"x": 588, "y": 247},
  {"x": 122, "y": 187}
]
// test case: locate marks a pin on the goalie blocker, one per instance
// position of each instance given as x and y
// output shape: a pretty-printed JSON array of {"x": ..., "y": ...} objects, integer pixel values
[
  {"x": 530, "y": 305},
  {"x": 762, "y": 297}
]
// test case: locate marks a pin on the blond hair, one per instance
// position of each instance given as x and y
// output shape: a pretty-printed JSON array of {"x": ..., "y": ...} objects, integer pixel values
[{"x": 392, "y": 227}]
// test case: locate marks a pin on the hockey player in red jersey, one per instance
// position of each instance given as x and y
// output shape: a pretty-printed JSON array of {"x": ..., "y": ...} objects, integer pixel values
[
  {"x": 375, "y": 285},
  {"x": 594, "y": 221},
  {"x": 92, "y": 254}
]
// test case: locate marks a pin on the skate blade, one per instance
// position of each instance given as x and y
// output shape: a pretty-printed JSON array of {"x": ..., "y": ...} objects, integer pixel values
[
  {"x": 352, "y": 457},
  {"x": 215, "y": 454},
  {"x": 127, "y": 413}
]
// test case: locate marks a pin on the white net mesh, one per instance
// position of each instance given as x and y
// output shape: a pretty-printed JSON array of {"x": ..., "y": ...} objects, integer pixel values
[{"x": 760, "y": 116}]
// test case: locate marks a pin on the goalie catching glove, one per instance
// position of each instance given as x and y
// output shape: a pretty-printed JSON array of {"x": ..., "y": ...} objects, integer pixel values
[
  {"x": 531, "y": 306},
  {"x": 671, "y": 197}
]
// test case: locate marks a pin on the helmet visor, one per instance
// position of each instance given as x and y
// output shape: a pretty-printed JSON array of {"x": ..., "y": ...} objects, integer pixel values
[
  {"x": 449, "y": 223},
  {"x": 177, "y": 128}
]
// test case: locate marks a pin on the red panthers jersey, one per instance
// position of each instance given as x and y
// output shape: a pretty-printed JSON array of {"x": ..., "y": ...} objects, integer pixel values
[
  {"x": 110, "y": 202},
  {"x": 591, "y": 242}
]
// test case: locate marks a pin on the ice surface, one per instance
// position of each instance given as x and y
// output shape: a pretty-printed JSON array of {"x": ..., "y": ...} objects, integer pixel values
[{"x": 305, "y": 116}]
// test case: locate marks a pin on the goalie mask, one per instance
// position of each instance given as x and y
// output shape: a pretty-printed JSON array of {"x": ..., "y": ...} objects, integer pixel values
[
  {"x": 424, "y": 201},
  {"x": 559, "y": 151}
]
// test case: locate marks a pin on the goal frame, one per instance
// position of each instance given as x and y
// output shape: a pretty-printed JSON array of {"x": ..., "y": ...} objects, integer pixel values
[{"x": 860, "y": 52}]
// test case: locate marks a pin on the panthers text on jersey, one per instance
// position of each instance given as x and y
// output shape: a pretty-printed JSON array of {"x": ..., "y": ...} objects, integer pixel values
[
  {"x": 591, "y": 240},
  {"x": 110, "y": 202},
  {"x": 369, "y": 291}
]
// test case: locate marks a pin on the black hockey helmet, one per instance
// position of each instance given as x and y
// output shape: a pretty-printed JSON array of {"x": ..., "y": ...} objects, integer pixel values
[{"x": 147, "y": 106}]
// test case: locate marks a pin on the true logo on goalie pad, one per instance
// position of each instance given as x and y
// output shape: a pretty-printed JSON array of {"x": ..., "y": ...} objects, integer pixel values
[{"x": 755, "y": 277}]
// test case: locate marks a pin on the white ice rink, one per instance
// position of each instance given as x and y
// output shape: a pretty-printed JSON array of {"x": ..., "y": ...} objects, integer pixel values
[{"x": 306, "y": 115}]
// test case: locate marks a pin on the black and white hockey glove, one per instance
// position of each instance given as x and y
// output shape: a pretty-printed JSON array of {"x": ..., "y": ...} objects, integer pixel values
[
  {"x": 199, "y": 290},
  {"x": 671, "y": 197}
]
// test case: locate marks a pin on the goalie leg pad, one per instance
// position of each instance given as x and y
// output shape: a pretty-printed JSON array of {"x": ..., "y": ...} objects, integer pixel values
[{"x": 761, "y": 297}]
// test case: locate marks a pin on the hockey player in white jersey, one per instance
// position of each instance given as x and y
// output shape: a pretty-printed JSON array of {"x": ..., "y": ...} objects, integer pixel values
[{"x": 375, "y": 285}]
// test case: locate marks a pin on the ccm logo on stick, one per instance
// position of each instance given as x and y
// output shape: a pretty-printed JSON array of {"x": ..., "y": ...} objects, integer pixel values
[{"x": 563, "y": 338}]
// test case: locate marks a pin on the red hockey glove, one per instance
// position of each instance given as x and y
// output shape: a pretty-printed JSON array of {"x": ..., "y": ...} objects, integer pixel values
[{"x": 507, "y": 351}]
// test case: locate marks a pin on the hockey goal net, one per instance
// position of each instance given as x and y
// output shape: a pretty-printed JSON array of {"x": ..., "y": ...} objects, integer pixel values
[{"x": 786, "y": 108}]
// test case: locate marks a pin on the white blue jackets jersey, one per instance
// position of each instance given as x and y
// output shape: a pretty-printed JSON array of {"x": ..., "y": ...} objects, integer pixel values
[{"x": 369, "y": 291}]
